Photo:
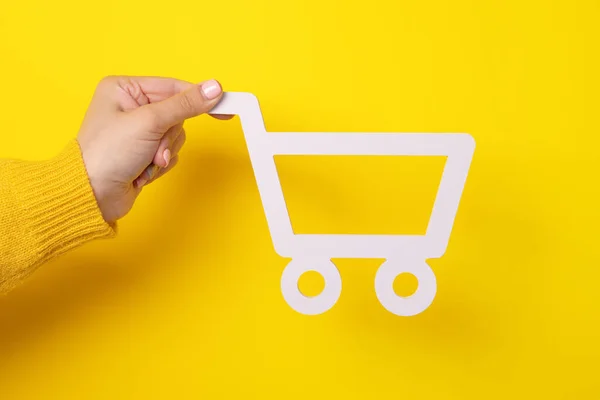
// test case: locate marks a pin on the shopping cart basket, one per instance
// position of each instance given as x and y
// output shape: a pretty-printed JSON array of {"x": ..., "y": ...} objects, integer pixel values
[{"x": 403, "y": 253}]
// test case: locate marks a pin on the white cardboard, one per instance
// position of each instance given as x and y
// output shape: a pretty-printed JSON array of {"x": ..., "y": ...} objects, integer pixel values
[{"x": 403, "y": 253}]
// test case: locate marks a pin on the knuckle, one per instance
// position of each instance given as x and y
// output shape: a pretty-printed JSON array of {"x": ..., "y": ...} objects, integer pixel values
[
  {"x": 108, "y": 80},
  {"x": 130, "y": 87}
]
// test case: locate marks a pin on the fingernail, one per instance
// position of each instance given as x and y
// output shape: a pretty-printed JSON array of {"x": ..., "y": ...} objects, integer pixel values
[
  {"x": 140, "y": 182},
  {"x": 149, "y": 171},
  {"x": 211, "y": 89},
  {"x": 167, "y": 157}
]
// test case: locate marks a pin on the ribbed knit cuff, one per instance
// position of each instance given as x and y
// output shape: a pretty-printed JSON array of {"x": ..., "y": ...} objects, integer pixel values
[{"x": 58, "y": 203}]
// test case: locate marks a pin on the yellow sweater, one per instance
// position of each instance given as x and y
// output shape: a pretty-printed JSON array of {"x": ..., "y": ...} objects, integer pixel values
[{"x": 46, "y": 208}]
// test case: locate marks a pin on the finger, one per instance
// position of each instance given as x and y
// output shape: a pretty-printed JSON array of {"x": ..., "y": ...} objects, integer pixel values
[
  {"x": 142, "y": 89},
  {"x": 222, "y": 116},
  {"x": 154, "y": 169},
  {"x": 192, "y": 102},
  {"x": 149, "y": 173},
  {"x": 178, "y": 143},
  {"x": 163, "y": 171},
  {"x": 163, "y": 154},
  {"x": 158, "y": 89}
]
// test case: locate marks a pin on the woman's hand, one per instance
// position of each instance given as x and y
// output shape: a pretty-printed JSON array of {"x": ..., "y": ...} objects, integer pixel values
[{"x": 133, "y": 131}]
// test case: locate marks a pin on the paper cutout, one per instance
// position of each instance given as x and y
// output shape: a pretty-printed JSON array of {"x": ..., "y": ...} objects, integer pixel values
[{"x": 403, "y": 253}]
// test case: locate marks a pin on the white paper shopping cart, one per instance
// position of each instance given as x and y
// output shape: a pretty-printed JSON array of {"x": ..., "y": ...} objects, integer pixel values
[{"x": 403, "y": 253}]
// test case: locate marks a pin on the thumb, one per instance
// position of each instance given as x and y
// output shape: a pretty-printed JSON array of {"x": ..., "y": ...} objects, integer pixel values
[{"x": 189, "y": 103}]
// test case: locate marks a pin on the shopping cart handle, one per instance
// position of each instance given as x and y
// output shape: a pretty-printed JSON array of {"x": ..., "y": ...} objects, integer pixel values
[{"x": 236, "y": 103}]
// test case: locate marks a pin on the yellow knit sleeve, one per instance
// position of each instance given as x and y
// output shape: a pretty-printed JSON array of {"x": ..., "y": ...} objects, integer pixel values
[{"x": 46, "y": 208}]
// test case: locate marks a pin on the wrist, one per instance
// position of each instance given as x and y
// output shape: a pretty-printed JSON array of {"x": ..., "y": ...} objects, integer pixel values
[
  {"x": 100, "y": 188},
  {"x": 103, "y": 201}
]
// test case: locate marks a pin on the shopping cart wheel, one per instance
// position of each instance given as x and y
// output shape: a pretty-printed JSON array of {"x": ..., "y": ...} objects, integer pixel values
[
  {"x": 319, "y": 303},
  {"x": 413, "y": 304}
]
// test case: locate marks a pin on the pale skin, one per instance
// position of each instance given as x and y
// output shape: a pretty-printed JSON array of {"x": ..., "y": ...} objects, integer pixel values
[{"x": 133, "y": 131}]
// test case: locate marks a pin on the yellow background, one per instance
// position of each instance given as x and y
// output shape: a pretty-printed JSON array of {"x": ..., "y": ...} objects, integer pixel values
[{"x": 186, "y": 303}]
